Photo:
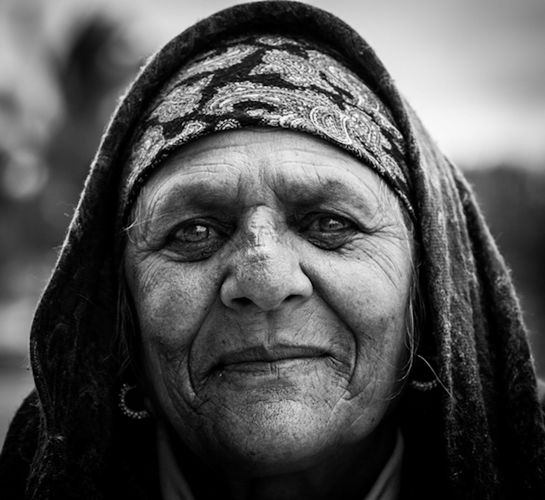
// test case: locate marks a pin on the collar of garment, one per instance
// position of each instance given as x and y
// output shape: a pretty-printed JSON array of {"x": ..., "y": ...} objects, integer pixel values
[{"x": 175, "y": 487}]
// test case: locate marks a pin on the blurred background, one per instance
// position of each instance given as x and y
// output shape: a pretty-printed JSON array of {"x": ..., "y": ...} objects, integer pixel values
[{"x": 473, "y": 69}]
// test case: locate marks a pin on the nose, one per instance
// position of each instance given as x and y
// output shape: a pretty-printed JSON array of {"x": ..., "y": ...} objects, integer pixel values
[{"x": 265, "y": 272}]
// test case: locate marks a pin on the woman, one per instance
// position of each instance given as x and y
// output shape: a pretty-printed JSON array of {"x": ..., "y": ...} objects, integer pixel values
[{"x": 285, "y": 287}]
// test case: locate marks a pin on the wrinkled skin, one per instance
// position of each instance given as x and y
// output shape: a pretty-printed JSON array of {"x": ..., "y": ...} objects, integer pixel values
[{"x": 270, "y": 273}]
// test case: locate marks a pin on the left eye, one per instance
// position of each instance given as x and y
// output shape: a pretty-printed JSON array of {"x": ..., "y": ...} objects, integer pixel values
[
  {"x": 328, "y": 231},
  {"x": 329, "y": 224}
]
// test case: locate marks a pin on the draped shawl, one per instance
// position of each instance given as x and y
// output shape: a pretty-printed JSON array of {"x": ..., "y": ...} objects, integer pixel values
[{"x": 480, "y": 436}]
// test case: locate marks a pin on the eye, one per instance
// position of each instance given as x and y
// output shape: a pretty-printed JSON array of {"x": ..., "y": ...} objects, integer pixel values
[
  {"x": 196, "y": 240},
  {"x": 329, "y": 224},
  {"x": 328, "y": 231},
  {"x": 194, "y": 233}
]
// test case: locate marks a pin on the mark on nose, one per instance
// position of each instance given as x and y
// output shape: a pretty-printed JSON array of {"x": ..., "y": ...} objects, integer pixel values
[{"x": 260, "y": 233}]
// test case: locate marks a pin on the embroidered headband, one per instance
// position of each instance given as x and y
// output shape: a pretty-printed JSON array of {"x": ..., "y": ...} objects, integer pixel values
[{"x": 268, "y": 81}]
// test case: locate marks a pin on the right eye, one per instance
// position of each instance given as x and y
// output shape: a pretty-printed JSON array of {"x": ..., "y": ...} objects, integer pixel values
[
  {"x": 196, "y": 240},
  {"x": 194, "y": 233}
]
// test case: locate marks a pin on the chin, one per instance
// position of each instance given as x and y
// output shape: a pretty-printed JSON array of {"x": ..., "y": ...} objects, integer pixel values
[{"x": 268, "y": 438}]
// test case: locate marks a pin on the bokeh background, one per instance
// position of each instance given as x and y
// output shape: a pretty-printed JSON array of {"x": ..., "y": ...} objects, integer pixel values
[{"x": 473, "y": 69}]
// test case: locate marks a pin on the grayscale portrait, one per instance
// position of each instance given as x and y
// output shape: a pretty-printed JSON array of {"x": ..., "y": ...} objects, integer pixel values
[{"x": 275, "y": 285}]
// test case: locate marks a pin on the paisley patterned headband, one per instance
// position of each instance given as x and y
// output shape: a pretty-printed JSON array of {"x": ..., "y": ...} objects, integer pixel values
[{"x": 268, "y": 81}]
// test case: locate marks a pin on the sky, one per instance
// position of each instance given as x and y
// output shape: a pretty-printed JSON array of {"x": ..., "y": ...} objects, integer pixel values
[{"x": 473, "y": 70}]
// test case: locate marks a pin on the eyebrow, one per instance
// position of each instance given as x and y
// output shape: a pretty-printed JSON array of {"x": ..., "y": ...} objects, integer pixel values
[
  {"x": 310, "y": 194},
  {"x": 209, "y": 194}
]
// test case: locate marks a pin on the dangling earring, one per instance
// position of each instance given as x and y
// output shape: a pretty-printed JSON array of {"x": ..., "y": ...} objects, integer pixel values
[
  {"x": 424, "y": 386},
  {"x": 428, "y": 385},
  {"x": 128, "y": 412}
]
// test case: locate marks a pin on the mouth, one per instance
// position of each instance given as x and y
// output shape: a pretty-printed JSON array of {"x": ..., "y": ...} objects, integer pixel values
[{"x": 267, "y": 359}]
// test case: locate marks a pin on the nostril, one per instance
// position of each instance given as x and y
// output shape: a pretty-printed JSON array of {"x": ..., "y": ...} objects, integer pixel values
[
  {"x": 264, "y": 303},
  {"x": 242, "y": 301}
]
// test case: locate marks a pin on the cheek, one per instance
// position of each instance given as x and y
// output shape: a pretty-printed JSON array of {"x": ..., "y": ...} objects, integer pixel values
[
  {"x": 171, "y": 304},
  {"x": 372, "y": 301}
]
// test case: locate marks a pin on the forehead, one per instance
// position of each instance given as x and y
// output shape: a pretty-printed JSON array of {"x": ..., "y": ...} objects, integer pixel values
[{"x": 244, "y": 163}]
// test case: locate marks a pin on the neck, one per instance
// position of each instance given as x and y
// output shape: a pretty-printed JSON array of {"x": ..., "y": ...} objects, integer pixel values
[{"x": 348, "y": 473}]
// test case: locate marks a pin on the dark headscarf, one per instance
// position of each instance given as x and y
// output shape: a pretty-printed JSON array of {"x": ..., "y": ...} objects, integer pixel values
[
  {"x": 481, "y": 436},
  {"x": 268, "y": 81}
]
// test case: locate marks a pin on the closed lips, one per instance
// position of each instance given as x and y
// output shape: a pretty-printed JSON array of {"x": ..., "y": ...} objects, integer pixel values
[{"x": 265, "y": 354}]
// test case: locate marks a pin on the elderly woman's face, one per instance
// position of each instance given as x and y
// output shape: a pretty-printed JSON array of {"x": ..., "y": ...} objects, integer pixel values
[{"x": 270, "y": 273}]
